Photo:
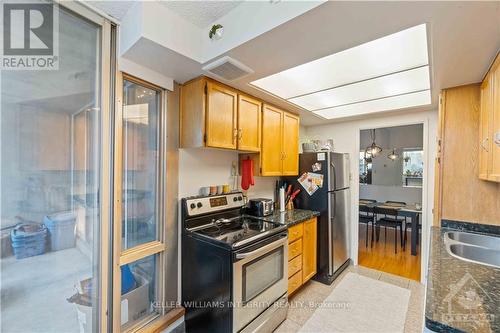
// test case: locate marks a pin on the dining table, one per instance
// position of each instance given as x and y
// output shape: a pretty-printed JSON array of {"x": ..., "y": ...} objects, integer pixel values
[{"x": 411, "y": 211}]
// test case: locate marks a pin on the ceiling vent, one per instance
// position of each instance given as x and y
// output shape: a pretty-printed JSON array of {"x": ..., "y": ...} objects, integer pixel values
[{"x": 228, "y": 69}]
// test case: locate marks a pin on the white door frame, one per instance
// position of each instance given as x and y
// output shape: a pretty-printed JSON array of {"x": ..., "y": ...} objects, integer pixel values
[{"x": 425, "y": 188}]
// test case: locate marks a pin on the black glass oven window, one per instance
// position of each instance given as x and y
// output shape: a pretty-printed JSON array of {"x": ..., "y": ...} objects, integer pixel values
[{"x": 262, "y": 273}]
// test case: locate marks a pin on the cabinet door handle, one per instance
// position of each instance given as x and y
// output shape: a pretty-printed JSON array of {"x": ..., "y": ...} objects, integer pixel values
[
  {"x": 483, "y": 144},
  {"x": 235, "y": 134},
  {"x": 240, "y": 133}
]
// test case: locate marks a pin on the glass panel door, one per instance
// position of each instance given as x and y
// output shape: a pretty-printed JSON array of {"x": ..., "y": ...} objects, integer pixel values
[
  {"x": 50, "y": 185},
  {"x": 140, "y": 164},
  {"x": 139, "y": 248}
]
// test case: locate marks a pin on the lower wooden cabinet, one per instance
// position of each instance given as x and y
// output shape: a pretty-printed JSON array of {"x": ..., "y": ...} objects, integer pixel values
[
  {"x": 309, "y": 254},
  {"x": 302, "y": 253}
]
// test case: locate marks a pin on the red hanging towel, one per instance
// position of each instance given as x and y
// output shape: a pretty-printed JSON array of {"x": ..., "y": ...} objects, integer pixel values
[{"x": 247, "y": 174}]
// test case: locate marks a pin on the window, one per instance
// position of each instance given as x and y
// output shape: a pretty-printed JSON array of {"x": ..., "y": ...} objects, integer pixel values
[
  {"x": 365, "y": 168},
  {"x": 53, "y": 176},
  {"x": 413, "y": 167},
  {"x": 139, "y": 191}
]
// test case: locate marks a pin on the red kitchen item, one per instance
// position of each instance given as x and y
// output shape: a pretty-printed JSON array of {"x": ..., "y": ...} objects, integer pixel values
[
  {"x": 247, "y": 174},
  {"x": 294, "y": 194}
]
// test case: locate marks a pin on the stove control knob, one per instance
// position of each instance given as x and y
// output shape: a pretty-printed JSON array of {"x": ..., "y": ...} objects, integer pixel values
[
  {"x": 199, "y": 204},
  {"x": 193, "y": 206},
  {"x": 235, "y": 199},
  {"x": 240, "y": 198}
]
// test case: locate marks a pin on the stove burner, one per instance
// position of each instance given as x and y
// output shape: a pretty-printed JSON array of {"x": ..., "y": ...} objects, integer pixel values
[{"x": 235, "y": 229}]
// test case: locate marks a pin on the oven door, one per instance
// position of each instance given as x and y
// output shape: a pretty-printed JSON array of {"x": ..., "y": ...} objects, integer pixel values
[{"x": 260, "y": 278}]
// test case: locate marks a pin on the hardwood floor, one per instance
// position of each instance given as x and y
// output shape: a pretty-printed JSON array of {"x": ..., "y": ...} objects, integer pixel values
[{"x": 382, "y": 257}]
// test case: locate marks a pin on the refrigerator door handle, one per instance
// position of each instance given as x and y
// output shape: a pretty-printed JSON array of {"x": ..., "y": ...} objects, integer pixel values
[
  {"x": 331, "y": 216},
  {"x": 330, "y": 234},
  {"x": 334, "y": 176}
]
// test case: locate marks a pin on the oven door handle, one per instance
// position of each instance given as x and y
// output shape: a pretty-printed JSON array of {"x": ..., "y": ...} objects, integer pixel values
[{"x": 264, "y": 249}]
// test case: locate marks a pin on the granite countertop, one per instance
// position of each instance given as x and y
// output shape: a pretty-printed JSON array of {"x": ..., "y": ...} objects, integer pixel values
[
  {"x": 461, "y": 296},
  {"x": 291, "y": 217}
]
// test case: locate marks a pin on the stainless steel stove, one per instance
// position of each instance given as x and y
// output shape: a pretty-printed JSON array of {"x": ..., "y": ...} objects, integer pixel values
[{"x": 238, "y": 261}]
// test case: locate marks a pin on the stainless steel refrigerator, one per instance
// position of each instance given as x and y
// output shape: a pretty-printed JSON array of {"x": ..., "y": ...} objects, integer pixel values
[{"x": 332, "y": 200}]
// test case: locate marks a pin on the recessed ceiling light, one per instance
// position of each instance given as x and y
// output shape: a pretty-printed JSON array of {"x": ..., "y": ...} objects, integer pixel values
[
  {"x": 389, "y": 70},
  {"x": 390, "y": 85},
  {"x": 384, "y": 104}
]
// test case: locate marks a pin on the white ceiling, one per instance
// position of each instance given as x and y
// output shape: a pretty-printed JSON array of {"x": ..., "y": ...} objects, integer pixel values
[
  {"x": 464, "y": 38},
  {"x": 201, "y": 13}
]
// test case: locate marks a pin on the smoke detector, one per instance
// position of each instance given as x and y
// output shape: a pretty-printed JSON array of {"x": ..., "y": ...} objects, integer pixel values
[{"x": 228, "y": 69}]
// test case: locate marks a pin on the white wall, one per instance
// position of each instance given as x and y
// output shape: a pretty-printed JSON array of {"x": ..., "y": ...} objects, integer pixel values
[
  {"x": 383, "y": 193},
  {"x": 200, "y": 167},
  {"x": 346, "y": 139},
  {"x": 394, "y": 137}
]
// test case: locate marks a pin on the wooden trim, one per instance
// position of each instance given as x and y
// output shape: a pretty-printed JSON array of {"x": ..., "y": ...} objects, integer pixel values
[
  {"x": 165, "y": 321},
  {"x": 108, "y": 65},
  {"x": 117, "y": 209},
  {"x": 439, "y": 159},
  {"x": 141, "y": 251},
  {"x": 494, "y": 63},
  {"x": 141, "y": 82}
]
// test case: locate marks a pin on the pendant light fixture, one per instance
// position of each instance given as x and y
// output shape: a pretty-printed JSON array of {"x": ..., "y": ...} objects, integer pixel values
[
  {"x": 373, "y": 150},
  {"x": 393, "y": 156}
]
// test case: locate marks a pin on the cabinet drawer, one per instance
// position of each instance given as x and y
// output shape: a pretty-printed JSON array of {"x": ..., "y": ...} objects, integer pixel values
[
  {"x": 294, "y": 249},
  {"x": 294, "y": 265},
  {"x": 294, "y": 282},
  {"x": 295, "y": 232}
]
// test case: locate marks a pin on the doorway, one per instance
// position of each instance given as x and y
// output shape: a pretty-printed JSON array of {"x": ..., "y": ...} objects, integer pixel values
[{"x": 391, "y": 178}]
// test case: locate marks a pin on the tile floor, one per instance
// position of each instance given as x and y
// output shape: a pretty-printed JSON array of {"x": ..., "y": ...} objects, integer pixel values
[{"x": 302, "y": 302}]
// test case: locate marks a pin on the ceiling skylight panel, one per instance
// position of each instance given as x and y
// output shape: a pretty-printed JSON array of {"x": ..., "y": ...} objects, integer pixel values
[
  {"x": 395, "y": 84},
  {"x": 384, "y": 104},
  {"x": 393, "y": 53}
]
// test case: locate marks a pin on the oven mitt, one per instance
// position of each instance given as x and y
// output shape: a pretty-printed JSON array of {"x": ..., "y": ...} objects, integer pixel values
[{"x": 247, "y": 174}]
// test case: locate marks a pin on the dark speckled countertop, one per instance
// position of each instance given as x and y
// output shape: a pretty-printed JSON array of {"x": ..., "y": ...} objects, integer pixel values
[
  {"x": 461, "y": 296},
  {"x": 291, "y": 217}
]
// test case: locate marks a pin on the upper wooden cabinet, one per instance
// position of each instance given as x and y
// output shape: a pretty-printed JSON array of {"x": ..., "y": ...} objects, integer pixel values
[
  {"x": 290, "y": 144},
  {"x": 489, "y": 125},
  {"x": 271, "y": 156},
  {"x": 280, "y": 135},
  {"x": 249, "y": 123},
  {"x": 218, "y": 116},
  {"x": 221, "y": 116}
]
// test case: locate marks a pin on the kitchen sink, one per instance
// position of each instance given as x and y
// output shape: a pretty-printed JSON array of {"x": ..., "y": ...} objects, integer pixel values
[
  {"x": 477, "y": 248},
  {"x": 480, "y": 255},
  {"x": 489, "y": 242}
]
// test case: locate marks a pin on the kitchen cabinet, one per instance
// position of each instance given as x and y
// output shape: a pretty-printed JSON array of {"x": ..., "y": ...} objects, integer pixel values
[
  {"x": 489, "y": 125},
  {"x": 221, "y": 116},
  {"x": 249, "y": 123},
  {"x": 302, "y": 255},
  {"x": 280, "y": 135},
  {"x": 218, "y": 116},
  {"x": 290, "y": 144},
  {"x": 309, "y": 253},
  {"x": 460, "y": 195}
]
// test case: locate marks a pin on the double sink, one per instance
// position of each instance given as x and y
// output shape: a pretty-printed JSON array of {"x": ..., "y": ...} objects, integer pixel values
[{"x": 477, "y": 248}]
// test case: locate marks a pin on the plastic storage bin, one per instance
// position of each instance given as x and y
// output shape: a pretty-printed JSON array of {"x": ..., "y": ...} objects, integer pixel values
[
  {"x": 62, "y": 230},
  {"x": 28, "y": 240}
]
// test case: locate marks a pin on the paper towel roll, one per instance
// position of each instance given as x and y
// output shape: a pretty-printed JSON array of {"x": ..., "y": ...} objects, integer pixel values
[{"x": 282, "y": 199}]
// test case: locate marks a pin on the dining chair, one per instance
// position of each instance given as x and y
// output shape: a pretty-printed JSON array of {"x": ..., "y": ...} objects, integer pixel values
[
  {"x": 401, "y": 203},
  {"x": 366, "y": 216},
  {"x": 408, "y": 225},
  {"x": 389, "y": 219}
]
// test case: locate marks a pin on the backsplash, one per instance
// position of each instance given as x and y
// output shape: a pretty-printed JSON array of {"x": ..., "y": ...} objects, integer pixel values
[{"x": 205, "y": 167}]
